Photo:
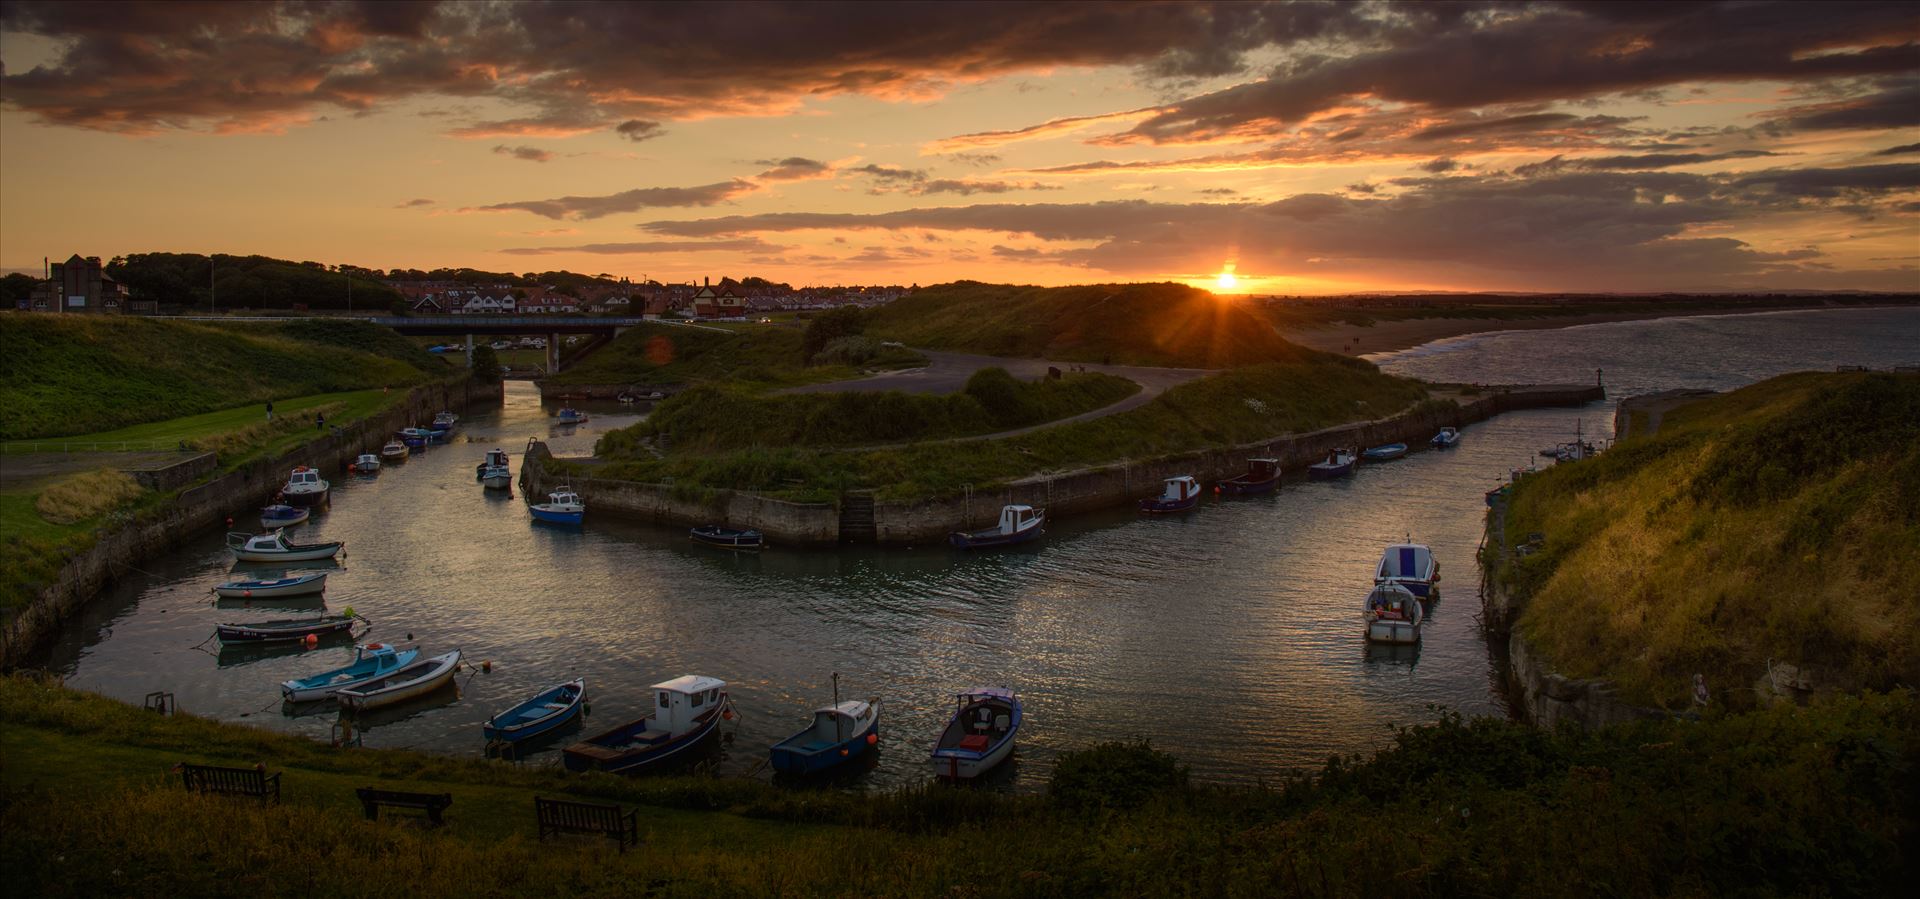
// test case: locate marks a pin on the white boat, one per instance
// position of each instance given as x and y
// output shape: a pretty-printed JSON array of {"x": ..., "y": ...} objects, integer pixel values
[
  {"x": 493, "y": 471},
  {"x": 296, "y": 585},
  {"x": 980, "y": 735},
  {"x": 367, "y": 463},
  {"x": 304, "y": 487},
  {"x": 275, "y": 548},
  {"x": 408, "y": 682},
  {"x": 1393, "y": 615},
  {"x": 1411, "y": 565},
  {"x": 394, "y": 451},
  {"x": 444, "y": 421},
  {"x": 371, "y": 661}
]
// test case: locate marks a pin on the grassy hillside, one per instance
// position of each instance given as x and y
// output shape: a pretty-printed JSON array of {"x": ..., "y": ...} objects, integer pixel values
[
  {"x": 73, "y": 374},
  {"x": 1776, "y": 524},
  {"x": 1146, "y": 324},
  {"x": 680, "y": 354},
  {"x": 1786, "y": 801},
  {"x": 1239, "y": 406}
]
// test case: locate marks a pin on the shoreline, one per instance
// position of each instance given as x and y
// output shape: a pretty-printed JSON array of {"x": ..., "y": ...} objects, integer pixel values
[{"x": 1386, "y": 337}]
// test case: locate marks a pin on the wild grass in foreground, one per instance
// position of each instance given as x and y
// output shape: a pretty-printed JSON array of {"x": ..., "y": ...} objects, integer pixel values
[{"x": 1785, "y": 801}]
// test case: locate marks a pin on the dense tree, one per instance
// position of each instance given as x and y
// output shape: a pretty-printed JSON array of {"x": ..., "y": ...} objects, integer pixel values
[
  {"x": 252, "y": 282},
  {"x": 825, "y": 328},
  {"x": 16, "y": 289}
]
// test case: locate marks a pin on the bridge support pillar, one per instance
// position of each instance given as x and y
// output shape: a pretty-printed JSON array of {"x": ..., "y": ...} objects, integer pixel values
[
  {"x": 469, "y": 345},
  {"x": 553, "y": 354}
]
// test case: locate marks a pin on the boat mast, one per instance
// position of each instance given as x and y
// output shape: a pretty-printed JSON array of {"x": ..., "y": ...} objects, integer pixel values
[{"x": 839, "y": 733}]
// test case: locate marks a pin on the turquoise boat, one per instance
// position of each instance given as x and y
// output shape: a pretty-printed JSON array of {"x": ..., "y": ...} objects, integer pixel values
[{"x": 372, "y": 662}]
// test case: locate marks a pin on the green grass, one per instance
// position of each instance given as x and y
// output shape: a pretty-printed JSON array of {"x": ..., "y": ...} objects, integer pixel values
[
  {"x": 763, "y": 356},
  {"x": 1234, "y": 407},
  {"x": 1144, "y": 324},
  {"x": 160, "y": 435},
  {"x": 83, "y": 374},
  {"x": 1776, "y": 524},
  {"x": 1785, "y": 801}
]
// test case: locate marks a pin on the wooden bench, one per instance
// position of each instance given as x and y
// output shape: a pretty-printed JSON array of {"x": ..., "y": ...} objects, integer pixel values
[
  {"x": 432, "y": 803},
  {"x": 254, "y": 782},
  {"x": 564, "y": 816}
]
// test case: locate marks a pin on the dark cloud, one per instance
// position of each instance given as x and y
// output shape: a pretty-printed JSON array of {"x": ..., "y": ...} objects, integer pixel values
[
  {"x": 1896, "y": 105},
  {"x": 625, "y": 201},
  {"x": 1646, "y": 162},
  {"x": 890, "y": 175},
  {"x": 1871, "y": 180},
  {"x": 415, "y": 202},
  {"x": 1219, "y": 191},
  {"x": 733, "y": 245},
  {"x": 794, "y": 168},
  {"x": 530, "y": 154},
  {"x": 1899, "y": 150},
  {"x": 982, "y": 160},
  {"x": 1437, "y": 166},
  {"x": 968, "y": 187},
  {"x": 1535, "y": 122},
  {"x": 637, "y": 130}
]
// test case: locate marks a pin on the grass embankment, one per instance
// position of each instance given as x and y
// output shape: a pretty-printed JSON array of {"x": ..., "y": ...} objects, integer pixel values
[
  {"x": 759, "y": 355},
  {"x": 1169, "y": 325},
  {"x": 1776, "y": 524},
  {"x": 75, "y": 374},
  {"x": 1786, "y": 800},
  {"x": 1239, "y": 406},
  {"x": 714, "y": 418}
]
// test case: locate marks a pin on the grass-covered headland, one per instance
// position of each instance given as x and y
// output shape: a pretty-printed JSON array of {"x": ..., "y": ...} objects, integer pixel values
[
  {"x": 1782, "y": 801},
  {"x": 1775, "y": 525}
]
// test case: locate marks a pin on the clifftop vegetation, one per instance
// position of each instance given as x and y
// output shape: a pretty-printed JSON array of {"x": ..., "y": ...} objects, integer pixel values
[{"x": 1778, "y": 524}]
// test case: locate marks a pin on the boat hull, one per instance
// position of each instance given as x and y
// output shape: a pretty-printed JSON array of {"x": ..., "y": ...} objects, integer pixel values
[
  {"x": 791, "y": 756},
  {"x": 640, "y": 761},
  {"x": 282, "y": 632},
  {"x": 527, "y": 729},
  {"x": 728, "y": 539},
  {"x": 298, "y": 691},
  {"x": 992, "y": 538},
  {"x": 307, "y": 554},
  {"x": 496, "y": 481},
  {"x": 291, "y": 586},
  {"x": 1322, "y": 471},
  {"x": 439, "y": 674},
  {"x": 551, "y": 517},
  {"x": 1393, "y": 632},
  {"x": 960, "y": 764},
  {"x": 307, "y": 499},
  {"x": 1243, "y": 487},
  {"x": 1385, "y": 453},
  {"x": 294, "y": 515},
  {"x": 1166, "y": 506}
]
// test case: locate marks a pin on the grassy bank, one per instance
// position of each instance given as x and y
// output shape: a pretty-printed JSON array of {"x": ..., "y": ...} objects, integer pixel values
[
  {"x": 1169, "y": 325},
  {"x": 712, "y": 418},
  {"x": 1239, "y": 406},
  {"x": 1781, "y": 801},
  {"x": 1776, "y": 524},
  {"x": 81, "y": 374},
  {"x": 755, "y": 354}
]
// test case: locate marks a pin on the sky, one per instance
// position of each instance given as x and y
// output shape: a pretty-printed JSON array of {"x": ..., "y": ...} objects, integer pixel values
[{"x": 1291, "y": 148}]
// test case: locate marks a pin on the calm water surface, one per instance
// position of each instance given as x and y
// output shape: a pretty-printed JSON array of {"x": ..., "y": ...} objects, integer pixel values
[{"x": 1231, "y": 636}]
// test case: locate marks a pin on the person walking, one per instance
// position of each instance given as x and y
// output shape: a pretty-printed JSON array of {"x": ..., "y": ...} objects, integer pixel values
[
  {"x": 269, "y": 410},
  {"x": 319, "y": 421}
]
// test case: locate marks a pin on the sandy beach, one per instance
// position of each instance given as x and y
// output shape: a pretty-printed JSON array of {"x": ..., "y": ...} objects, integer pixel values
[{"x": 1392, "y": 336}]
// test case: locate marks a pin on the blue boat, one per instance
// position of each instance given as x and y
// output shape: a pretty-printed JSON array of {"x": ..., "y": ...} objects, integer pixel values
[
  {"x": 1448, "y": 438},
  {"x": 372, "y": 662},
  {"x": 728, "y": 538},
  {"x": 1179, "y": 494},
  {"x": 979, "y": 736},
  {"x": 415, "y": 437},
  {"x": 444, "y": 421},
  {"x": 439, "y": 435},
  {"x": 1339, "y": 464},
  {"x": 839, "y": 734},
  {"x": 562, "y": 507},
  {"x": 1018, "y": 524},
  {"x": 1385, "y": 453},
  {"x": 571, "y": 416},
  {"x": 687, "y": 710},
  {"x": 538, "y": 715},
  {"x": 1262, "y": 476},
  {"x": 281, "y": 515}
]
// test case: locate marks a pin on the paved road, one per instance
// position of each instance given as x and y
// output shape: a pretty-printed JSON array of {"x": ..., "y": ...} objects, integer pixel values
[{"x": 948, "y": 373}]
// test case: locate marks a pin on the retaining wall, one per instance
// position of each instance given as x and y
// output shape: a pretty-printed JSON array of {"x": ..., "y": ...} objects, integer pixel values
[{"x": 237, "y": 494}]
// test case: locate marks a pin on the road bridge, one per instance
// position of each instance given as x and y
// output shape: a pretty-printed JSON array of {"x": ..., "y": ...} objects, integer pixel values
[{"x": 470, "y": 326}]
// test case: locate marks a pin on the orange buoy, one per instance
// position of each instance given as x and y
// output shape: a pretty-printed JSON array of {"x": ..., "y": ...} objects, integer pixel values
[
  {"x": 486, "y": 665},
  {"x": 312, "y": 640},
  {"x": 246, "y": 593},
  {"x": 728, "y": 714},
  {"x": 873, "y": 739},
  {"x": 843, "y": 752}
]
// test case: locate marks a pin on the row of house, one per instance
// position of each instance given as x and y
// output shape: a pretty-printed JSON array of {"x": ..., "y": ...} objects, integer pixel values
[
  {"x": 725, "y": 301},
  {"x": 81, "y": 284}
]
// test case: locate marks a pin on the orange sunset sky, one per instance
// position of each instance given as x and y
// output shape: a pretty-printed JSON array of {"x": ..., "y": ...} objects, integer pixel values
[{"x": 1305, "y": 147}]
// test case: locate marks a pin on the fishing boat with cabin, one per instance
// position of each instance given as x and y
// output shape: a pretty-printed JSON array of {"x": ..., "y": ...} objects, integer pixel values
[
  {"x": 288, "y": 630},
  {"x": 1018, "y": 524},
  {"x": 444, "y": 421},
  {"x": 366, "y": 463},
  {"x": 493, "y": 472},
  {"x": 371, "y": 662},
  {"x": 1410, "y": 565},
  {"x": 980, "y": 735},
  {"x": 727, "y": 538},
  {"x": 1338, "y": 464},
  {"x": 273, "y": 588},
  {"x": 394, "y": 451},
  {"x": 546, "y": 712},
  {"x": 305, "y": 487},
  {"x": 410, "y": 681},
  {"x": 1178, "y": 494},
  {"x": 840, "y": 733},
  {"x": 1393, "y": 615},
  {"x": 563, "y": 506},
  {"x": 1262, "y": 476},
  {"x": 687, "y": 710},
  {"x": 275, "y": 548}
]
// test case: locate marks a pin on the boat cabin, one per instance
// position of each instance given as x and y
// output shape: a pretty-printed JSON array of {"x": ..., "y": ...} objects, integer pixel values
[
  {"x": 564, "y": 498},
  {"x": 837, "y": 723},
  {"x": 496, "y": 458},
  {"x": 1180, "y": 489},
  {"x": 1262, "y": 469},
  {"x": 1014, "y": 518},
  {"x": 266, "y": 543},
  {"x": 304, "y": 477},
  {"x": 679, "y": 703}
]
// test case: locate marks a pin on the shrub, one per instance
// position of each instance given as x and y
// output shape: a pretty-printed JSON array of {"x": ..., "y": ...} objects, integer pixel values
[
  {"x": 850, "y": 350},
  {"x": 86, "y": 495},
  {"x": 1115, "y": 776},
  {"x": 829, "y": 326}
]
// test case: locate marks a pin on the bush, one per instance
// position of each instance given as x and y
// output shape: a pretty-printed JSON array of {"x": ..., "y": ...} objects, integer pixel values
[
  {"x": 85, "y": 495},
  {"x": 1115, "y": 776},
  {"x": 829, "y": 326},
  {"x": 850, "y": 350},
  {"x": 1001, "y": 394},
  {"x": 486, "y": 365}
]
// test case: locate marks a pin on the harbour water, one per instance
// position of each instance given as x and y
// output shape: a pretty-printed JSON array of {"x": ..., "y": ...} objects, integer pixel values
[{"x": 1230, "y": 636}]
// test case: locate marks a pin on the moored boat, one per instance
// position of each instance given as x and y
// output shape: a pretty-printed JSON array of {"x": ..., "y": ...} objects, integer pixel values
[
  {"x": 286, "y": 630},
  {"x": 409, "y": 681},
  {"x": 305, "y": 487},
  {"x": 1177, "y": 494},
  {"x": 728, "y": 538},
  {"x": 1262, "y": 476},
  {"x": 570, "y": 416},
  {"x": 1338, "y": 464},
  {"x": 1446, "y": 439},
  {"x": 372, "y": 661},
  {"x": 980, "y": 735},
  {"x": 1393, "y": 615},
  {"x": 415, "y": 438},
  {"x": 366, "y": 463},
  {"x": 1018, "y": 524},
  {"x": 444, "y": 421},
  {"x": 687, "y": 710},
  {"x": 275, "y": 548},
  {"x": 546, "y": 711},
  {"x": 562, "y": 507},
  {"x": 839, "y": 734},
  {"x": 299, "y": 585},
  {"x": 1410, "y": 565},
  {"x": 493, "y": 471},
  {"x": 627, "y": 399},
  {"x": 394, "y": 451},
  {"x": 1385, "y": 452},
  {"x": 281, "y": 515}
]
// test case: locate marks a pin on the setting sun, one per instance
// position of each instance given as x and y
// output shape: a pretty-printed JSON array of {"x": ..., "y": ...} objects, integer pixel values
[{"x": 1226, "y": 279}]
